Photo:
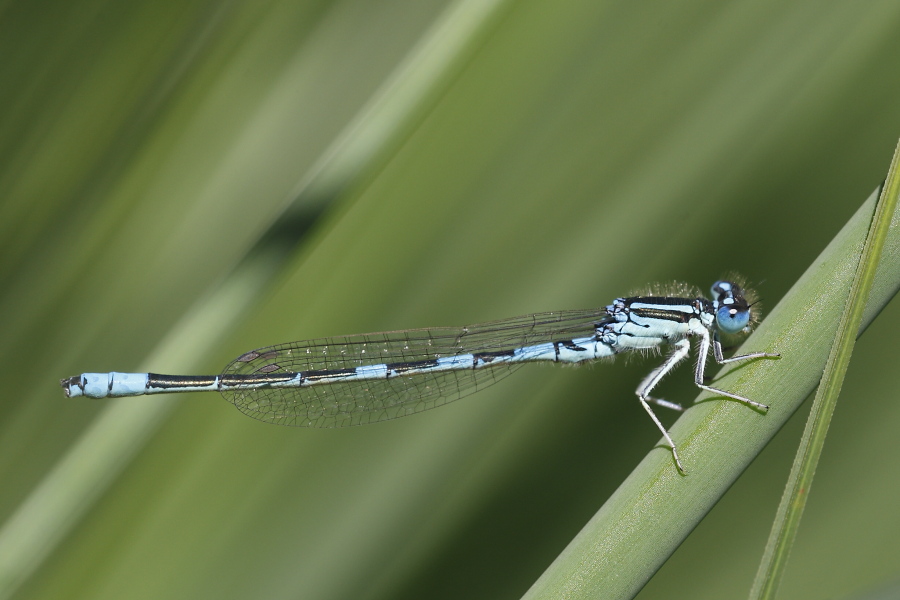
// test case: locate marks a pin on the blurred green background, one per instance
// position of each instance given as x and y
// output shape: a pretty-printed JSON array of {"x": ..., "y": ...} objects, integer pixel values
[{"x": 183, "y": 181}]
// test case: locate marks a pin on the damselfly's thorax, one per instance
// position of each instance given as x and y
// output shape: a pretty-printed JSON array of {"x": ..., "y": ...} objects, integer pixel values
[{"x": 646, "y": 321}]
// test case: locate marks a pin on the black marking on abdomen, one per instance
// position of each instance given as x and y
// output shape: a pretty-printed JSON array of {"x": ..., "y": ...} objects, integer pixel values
[
  {"x": 326, "y": 374},
  {"x": 254, "y": 379},
  {"x": 178, "y": 381},
  {"x": 403, "y": 367},
  {"x": 489, "y": 357}
]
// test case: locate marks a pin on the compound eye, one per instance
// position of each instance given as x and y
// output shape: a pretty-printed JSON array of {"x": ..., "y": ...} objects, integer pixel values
[
  {"x": 722, "y": 288},
  {"x": 732, "y": 319}
]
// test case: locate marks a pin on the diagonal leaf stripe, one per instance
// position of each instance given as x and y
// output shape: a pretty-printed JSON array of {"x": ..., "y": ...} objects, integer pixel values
[{"x": 655, "y": 509}]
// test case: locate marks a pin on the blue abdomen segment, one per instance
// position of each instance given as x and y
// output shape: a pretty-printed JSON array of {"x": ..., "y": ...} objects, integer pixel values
[{"x": 101, "y": 385}]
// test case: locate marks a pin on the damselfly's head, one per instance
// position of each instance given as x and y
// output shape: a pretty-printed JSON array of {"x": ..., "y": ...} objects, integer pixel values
[{"x": 732, "y": 308}]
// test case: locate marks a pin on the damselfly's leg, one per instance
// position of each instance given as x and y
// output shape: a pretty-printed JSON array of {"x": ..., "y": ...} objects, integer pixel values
[
  {"x": 720, "y": 358},
  {"x": 717, "y": 351},
  {"x": 656, "y": 375},
  {"x": 682, "y": 349}
]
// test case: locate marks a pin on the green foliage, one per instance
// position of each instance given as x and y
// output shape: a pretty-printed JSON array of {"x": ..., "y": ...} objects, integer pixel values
[
  {"x": 796, "y": 494},
  {"x": 184, "y": 181}
]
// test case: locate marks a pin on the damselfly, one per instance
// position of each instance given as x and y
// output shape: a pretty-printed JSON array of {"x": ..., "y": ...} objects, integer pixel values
[{"x": 358, "y": 379}]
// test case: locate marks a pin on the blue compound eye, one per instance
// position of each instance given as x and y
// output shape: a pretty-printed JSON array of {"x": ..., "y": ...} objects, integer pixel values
[
  {"x": 722, "y": 288},
  {"x": 732, "y": 318}
]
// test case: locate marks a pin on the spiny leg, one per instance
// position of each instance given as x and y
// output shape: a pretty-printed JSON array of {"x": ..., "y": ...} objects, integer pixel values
[
  {"x": 682, "y": 348},
  {"x": 717, "y": 351},
  {"x": 720, "y": 358},
  {"x": 656, "y": 375}
]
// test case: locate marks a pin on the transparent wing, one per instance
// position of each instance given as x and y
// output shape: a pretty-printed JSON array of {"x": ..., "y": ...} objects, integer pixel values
[{"x": 359, "y": 402}]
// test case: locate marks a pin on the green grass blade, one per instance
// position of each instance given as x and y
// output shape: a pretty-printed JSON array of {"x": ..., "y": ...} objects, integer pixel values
[
  {"x": 655, "y": 509},
  {"x": 790, "y": 511}
]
